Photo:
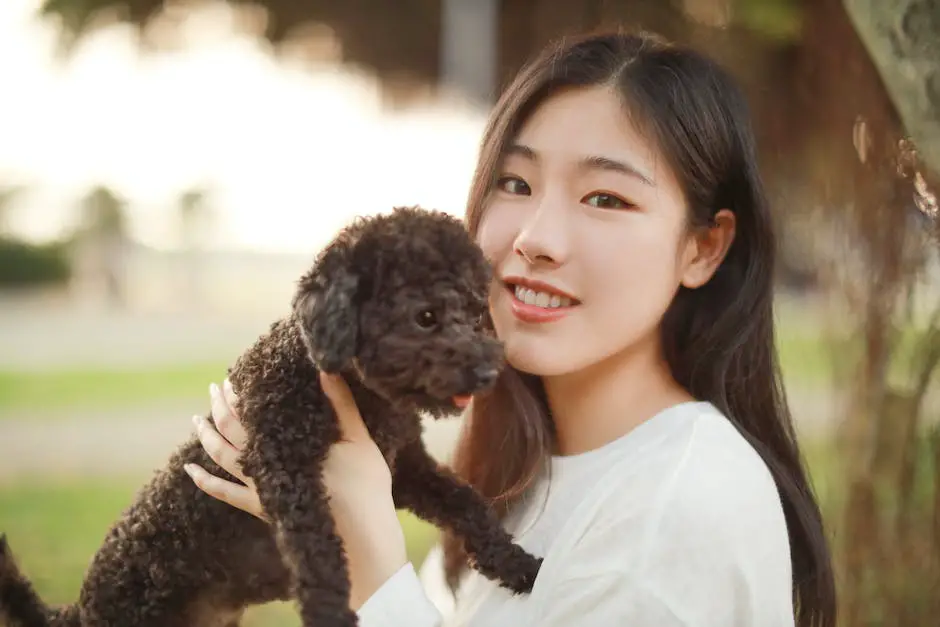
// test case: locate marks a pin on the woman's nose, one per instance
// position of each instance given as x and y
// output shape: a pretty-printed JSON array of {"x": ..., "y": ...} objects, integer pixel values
[{"x": 543, "y": 238}]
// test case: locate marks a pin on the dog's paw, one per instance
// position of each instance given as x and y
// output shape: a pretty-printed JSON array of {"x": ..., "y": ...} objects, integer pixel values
[
  {"x": 510, "y": 566},
  {"x": 518, "y": 573},
  {"x": 528, "y": 570}
]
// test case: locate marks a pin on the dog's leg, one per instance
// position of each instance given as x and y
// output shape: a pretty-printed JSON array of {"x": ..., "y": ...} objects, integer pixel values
[
  {"x": 19, "y": 601},
  {"x": 438, "y": 496},
  {"x": 294, "y": 497},
  {"x": 312, "y": 548}
]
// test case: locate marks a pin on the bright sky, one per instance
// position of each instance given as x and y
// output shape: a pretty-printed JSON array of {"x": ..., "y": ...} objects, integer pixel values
[{"x": 282, "y": 147}]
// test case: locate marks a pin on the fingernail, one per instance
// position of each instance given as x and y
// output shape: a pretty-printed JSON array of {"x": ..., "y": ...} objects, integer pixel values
[
  {"x": 189, "y": 468},
  {"x": 227, "y": 385},
  {"x": 197, "y": 419},
  {"x": 213, "y": 390}
]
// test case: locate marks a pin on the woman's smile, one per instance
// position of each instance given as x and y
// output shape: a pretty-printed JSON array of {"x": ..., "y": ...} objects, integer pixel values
[{"x": 536, "y": 302}]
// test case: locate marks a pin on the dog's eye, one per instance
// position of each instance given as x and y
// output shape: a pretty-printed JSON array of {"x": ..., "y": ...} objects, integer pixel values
[{"x": 426, "y": 319}]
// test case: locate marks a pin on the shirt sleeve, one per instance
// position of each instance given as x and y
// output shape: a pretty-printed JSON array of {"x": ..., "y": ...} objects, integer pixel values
[
  {"x": 400, "y": 601},
  {"x": 431, "y": 575}
]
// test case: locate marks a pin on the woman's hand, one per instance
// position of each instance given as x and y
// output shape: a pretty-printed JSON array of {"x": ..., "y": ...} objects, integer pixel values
[
  {"x": 224, "y": 444},
  {"x": 356, "y": 476}
]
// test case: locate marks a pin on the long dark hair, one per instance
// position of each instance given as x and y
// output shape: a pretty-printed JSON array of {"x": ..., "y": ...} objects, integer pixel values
[{"x": 718, "y": 339}]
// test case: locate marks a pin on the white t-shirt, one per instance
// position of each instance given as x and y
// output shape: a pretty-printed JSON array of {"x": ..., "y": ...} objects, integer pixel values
[{"x": 677, "y": 523}]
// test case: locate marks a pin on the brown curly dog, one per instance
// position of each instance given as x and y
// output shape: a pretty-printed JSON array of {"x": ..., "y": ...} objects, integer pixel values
[{"x": 397, "y": 304}]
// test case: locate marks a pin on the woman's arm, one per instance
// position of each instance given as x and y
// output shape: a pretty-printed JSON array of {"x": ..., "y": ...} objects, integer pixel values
[{"x": 359, "y": 483}]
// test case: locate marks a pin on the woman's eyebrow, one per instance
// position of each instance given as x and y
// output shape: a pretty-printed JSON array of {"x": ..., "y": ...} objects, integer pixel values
[
  {"x": 521, "y": 150},
  {"x": 592, "y": 162},
  {"x": 612, "y": 165}
]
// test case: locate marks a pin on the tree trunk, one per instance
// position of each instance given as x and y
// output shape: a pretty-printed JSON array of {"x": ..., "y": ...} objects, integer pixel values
[{"x": 903, "y": 39}]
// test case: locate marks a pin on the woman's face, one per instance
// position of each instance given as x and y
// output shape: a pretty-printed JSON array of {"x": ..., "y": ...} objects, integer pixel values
[{"x": 587, "y": 234}]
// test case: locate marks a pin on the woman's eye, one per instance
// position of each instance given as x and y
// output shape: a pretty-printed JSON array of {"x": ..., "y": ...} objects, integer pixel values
[
  {"x": 606, "y": 201},
  {"x": 513, "y": 185}
]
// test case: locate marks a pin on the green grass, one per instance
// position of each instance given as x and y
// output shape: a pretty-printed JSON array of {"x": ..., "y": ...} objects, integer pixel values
[
  {"x": 101, "y": 388},
  {"x": 54, "y": 528}
]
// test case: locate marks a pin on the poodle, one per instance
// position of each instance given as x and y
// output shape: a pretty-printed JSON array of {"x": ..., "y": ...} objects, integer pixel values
[{"x": 397, "y": 304}]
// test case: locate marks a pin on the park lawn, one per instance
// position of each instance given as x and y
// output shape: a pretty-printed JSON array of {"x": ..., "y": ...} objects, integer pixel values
[
  {"x": 54, "y": 527},
  {"x": 101, "y": 388}
]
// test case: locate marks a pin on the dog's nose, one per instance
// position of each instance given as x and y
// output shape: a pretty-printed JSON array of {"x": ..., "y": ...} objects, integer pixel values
[{"x": 485, "y": 375}]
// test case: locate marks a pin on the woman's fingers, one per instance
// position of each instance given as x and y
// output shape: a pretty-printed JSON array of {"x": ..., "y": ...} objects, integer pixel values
[
  {"x": 239, "y": 496},
  {"x": 350, "y": 420},
  {"x": 226, "y": 419},
  {"x": 218, "y": 448},
  {"x": 221, "y": 448}
]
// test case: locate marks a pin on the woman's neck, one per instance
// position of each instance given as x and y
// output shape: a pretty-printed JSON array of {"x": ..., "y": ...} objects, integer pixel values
[{"x": 597, "y": 405}]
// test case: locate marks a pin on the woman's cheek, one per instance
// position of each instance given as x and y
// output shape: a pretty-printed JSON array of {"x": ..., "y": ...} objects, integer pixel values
[{"x": 498, "y": 230}]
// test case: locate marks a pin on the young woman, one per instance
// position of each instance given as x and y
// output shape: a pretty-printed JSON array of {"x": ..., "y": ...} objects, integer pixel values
[{"x": 640, "y": 439}]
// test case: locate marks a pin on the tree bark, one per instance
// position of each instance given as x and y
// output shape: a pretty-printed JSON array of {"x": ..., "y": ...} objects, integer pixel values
[{"x": 903, "y": 39}]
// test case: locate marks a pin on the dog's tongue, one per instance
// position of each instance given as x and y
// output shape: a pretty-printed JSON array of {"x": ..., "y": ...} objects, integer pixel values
[{"x": 462, "y": 401}]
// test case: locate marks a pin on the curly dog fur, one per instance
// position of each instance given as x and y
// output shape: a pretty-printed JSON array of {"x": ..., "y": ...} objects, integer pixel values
[{"x": 397, "y": 304}]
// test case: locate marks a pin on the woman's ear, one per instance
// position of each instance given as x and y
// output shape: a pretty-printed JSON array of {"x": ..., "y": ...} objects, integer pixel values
[{"x": 706, "y": 249}]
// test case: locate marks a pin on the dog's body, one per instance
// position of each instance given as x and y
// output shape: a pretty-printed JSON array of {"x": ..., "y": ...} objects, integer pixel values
[{"x": 394, "y": 304}]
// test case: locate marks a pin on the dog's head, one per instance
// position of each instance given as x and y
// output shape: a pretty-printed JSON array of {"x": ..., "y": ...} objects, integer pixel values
[{"x": 402, "y": 299}]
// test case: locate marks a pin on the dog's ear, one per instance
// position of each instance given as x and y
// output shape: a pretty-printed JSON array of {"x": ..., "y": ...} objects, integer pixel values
[{"x": 327, "y": 311}]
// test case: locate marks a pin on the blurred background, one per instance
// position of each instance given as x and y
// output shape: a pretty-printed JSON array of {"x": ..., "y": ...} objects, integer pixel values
[{"x": 168, "y": 168}]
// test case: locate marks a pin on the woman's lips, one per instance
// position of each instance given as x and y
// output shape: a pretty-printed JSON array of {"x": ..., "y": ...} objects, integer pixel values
[{"x": 536, "y": 314}]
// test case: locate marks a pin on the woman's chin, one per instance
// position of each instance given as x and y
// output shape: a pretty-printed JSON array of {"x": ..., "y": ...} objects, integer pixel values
[
  {"x": 539, "y": 350},
  {"x": 537, "y": 359}
]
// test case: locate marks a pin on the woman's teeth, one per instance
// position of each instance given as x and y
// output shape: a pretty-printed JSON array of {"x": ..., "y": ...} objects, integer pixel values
[{"x": 541, "y": 299}]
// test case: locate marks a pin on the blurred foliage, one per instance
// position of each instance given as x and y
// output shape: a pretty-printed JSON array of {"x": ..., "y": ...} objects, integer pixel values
[
  {"x": 102, "y": 228},
  {"x": 195, "y": 217},
  {"x": 77, "y": 16},
  {"x": 103, "y": 214},
  {"x": 401, "y": 41},
  {"x": 779, "y": 20},
  {"x": 192, "y": 203},
  {"x": 8, "y": 195},
  {"x": 23, "y": 264},
  {"x": 392, "y": 38},
  {"x": 102, "y": 237},
  {"x": 282, "y": 15}
]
